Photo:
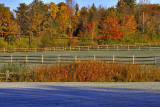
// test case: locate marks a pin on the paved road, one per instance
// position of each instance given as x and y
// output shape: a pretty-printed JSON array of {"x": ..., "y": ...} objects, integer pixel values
[{"x": 79, "y": 94}]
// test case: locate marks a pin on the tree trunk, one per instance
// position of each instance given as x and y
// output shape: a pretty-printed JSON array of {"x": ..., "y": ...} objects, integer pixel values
[{"x": 30, "y": 40}]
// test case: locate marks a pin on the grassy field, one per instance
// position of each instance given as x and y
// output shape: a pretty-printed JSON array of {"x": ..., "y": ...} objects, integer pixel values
[
  {"x": 90, "y": 53},
  {"x": 85, "y": 53}
]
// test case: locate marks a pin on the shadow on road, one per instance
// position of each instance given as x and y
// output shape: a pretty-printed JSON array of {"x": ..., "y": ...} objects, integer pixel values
[{"x": 77, "y": 96}]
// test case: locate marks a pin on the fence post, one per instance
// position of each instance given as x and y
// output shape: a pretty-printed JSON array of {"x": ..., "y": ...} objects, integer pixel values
[
  {"x": 113, "y": 58},
  {"x": 150, "y": 48},
  {"x": 133, "y": 59},
  {"x": 107, "y": 47},
  {"x": 139, "y": 48},
  {"x": 155, "y": 61},
  {"x": 88, "y": 48},
  {"x": 26, "y": 58},
  {"x": 79, "y": 48},
  {"x": 42, "y": 59},
  {"x": 70, "y": 48},
  {"x": 117, "y": 48},
  {"x": 128, "y": 47},
  {"x": 4, "y": 50},
  {"x": 98, "y": 48},
  {"x": 11, "y": 58},
  {"x": 94, "y": 57},
  {"x": 75, "y": 58},
  {"x": 58, "y": 58},
  {"x": 7, "y": 75}
]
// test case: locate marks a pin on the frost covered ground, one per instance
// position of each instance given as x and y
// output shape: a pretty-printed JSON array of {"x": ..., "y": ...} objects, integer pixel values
[{"x": 75, "y": 94}]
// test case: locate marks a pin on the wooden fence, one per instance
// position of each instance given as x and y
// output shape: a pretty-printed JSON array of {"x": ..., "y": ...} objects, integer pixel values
[
  {"x": 6, "y": 75},
  {"x": 115, "y": 47},
  {"x": 54, "y": 59}
]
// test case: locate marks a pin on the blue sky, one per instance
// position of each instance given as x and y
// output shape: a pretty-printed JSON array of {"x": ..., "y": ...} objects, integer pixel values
[{"x": 105, "y": 3}]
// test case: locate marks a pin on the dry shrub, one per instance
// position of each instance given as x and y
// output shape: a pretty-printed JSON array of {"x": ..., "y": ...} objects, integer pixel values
[{"x": 91, "y": 72}]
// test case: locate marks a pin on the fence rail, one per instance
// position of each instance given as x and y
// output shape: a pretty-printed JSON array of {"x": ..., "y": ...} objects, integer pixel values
[
  {"x": 115, "y": 47},
  {"x": 54, "y": 59},
  {"x": 7, "y": 74}
]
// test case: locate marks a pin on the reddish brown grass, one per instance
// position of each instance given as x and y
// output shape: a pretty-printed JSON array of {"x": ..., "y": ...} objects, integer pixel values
[{"x": 91, "y": 72}]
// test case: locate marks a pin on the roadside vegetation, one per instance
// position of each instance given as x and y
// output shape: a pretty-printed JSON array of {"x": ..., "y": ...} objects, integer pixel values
[{"x": 84, "y": 72}]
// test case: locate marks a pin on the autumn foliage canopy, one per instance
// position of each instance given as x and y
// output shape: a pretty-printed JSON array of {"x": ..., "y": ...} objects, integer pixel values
[{"x": 127, "y": 22}]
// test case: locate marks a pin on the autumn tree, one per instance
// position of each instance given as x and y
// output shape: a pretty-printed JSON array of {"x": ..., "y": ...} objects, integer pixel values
[
  {"x": 146, "y": 14},
  {"x": 76, "y": 9},
  {"x": 91, "y": 23},
  {"x": 100, "y": 14},
  {"x": 83, "y": 15},
  {"x": 83, "y": 35},
  {"x": 129, "y": 26},
  {"x": 35, "y": 19},
  {"x": 63, "y": 18},
  {"x": 5, "y": 15},
  {"x": 70, "y": 4},
  {"x": 129, "y": 23},
  {"x": 91, "y": 27},
  {"x": 8, "y": 26},
  {"x": 130, "y": 3},
  {"x": 92, "y": 13},
  {"x": 126, "y": 6},
  {"x": 50, "y": 26},
  {"x": 111, "y": 28},
  {"x": 83, "y": 19},
  {"x": 122, "y": 7},
  {"x": 21, "y": 18},
  {"x": 152, "y": 21}
]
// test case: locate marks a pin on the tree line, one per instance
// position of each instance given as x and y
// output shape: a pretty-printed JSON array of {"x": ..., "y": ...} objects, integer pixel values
[{"x": 127, "y": 22}]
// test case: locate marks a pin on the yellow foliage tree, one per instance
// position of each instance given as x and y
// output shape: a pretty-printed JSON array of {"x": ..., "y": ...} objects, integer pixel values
[
  {"x": 53, "y": 9},
  {"x": 129, "y": 23},
  {"x": 63, "y": 18}
]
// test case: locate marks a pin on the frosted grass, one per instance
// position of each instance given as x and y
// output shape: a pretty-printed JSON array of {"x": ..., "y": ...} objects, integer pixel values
[
  {"x": 89, "y": 53},
  {"x": 77, "y": 94}
]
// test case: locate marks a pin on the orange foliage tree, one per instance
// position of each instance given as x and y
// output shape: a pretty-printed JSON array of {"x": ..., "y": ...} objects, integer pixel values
[
  {"x": 110, "y": 28},
  {"x": 129, "y": 23},
  {"x": 91, "y": 28},
  {"x": 53, "y": 10},
  {"x": 8, "y": 26}
]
